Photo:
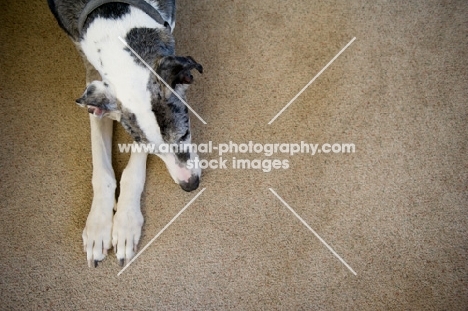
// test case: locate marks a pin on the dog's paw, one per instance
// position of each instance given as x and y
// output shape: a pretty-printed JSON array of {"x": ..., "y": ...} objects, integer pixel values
[
  {"x": 126, "y": 232},
  {"x": 97, "y": 233}
]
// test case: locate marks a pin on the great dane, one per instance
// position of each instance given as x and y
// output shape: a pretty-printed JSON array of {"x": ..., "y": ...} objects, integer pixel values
[{"x": 120, "y": 86}]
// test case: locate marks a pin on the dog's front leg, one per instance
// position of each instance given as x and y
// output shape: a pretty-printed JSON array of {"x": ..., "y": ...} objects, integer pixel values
[
  {"x": 128, "y": 218},
  {"x": 97, "y": 233}
]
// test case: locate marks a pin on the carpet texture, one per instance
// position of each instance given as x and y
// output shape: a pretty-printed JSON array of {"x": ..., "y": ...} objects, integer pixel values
[{"x": 395, "y": 210}]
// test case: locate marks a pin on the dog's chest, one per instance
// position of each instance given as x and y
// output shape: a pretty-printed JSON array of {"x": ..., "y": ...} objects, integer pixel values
[
  {"x": 117, "y": 66},
  {"x": 103, "y": 48}
]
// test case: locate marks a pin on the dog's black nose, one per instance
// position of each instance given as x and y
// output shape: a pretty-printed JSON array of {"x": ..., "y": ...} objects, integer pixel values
[{"x": 191, "y": 184}]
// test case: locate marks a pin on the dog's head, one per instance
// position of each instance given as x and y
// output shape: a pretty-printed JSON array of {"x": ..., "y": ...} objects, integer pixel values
[{"x": 157, "y": 117}]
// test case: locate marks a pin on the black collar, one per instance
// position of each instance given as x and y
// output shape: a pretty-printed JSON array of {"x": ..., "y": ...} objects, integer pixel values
[{"x": 141, "y": 4}]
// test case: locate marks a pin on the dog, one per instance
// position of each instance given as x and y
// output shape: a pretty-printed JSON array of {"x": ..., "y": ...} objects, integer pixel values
[{"x": 120, "y": 87}]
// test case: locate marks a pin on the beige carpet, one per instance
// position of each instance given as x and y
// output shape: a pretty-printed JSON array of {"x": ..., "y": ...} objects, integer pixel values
[{"x": 395, "y": 210}]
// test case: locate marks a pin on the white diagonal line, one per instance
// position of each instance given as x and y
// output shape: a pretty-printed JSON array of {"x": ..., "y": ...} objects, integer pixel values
[
  {"x": 162, "y": 80},
  {"x": 315, "y": 233},
  {"x": 160, "y": 232},
  {"x": 311, "y": 81}
]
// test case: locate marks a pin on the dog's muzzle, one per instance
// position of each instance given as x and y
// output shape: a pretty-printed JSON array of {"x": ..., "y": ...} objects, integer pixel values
[{"x": 191, "y": 184}]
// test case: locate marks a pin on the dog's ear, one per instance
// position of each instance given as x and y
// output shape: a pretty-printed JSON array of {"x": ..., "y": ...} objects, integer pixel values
[
  {"x": 98, "y": 98},
  {"x": 176, "y": 69}
]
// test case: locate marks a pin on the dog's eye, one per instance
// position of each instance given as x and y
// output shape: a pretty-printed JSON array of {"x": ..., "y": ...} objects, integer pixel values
[{"x": 186, "y": 135}]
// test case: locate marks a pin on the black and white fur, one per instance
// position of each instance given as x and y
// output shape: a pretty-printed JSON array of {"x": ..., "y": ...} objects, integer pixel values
[{"x": 120, "y": 87}]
